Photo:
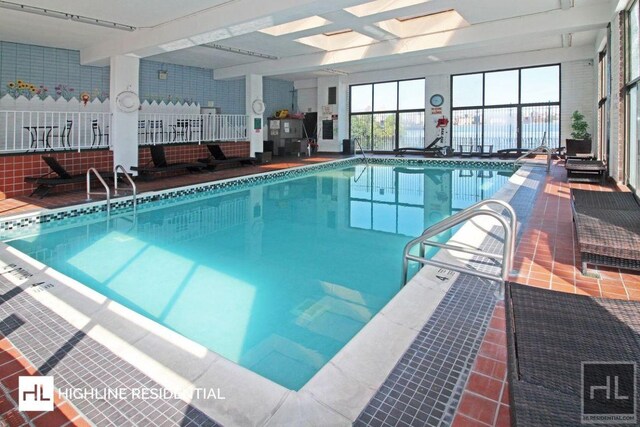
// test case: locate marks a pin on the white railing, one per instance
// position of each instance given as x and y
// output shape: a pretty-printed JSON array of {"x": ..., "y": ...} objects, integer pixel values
[
  {"x": 181, "y": 128},
  {"x": 37, "y": 131}
]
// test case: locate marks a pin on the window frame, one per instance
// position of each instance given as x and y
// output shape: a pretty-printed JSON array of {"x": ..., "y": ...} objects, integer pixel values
[
  {"x": 519, "y": 106},
  {"x": 397, "y": 112}
]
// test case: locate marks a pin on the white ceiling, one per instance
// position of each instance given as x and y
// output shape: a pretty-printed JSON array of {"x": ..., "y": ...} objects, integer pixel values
[{"x": 490, "y": 27}]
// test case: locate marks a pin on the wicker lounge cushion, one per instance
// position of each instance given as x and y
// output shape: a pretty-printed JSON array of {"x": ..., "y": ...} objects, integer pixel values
[
  {"x": 549, "y": 335},
  {"x": 609, "y": 232},
  {"x": 585, "y": 199}
]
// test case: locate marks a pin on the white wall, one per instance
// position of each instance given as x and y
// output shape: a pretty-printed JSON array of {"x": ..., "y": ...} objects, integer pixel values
[
  {"x": 307, "y": 94},
  {"x": 326, "y": 111},
  {"x": 578, "y": 92},
  {"x": 578, "y": 86}
]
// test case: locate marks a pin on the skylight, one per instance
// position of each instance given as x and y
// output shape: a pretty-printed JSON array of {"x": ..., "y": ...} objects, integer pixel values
[
  {"x": 411, "y": 18},
  {"x": 296, "y": 26},
  {"x": 378, "y": 6},
  {"x": 336, "y": 40},
  {"x": 431, "y": 23}
]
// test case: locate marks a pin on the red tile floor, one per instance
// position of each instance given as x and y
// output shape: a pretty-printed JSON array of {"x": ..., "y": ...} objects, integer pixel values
[{"x": 546, "y": 257}]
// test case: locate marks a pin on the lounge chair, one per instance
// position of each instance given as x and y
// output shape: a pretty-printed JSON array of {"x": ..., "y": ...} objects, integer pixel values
[
  {"x": 607, "y": 229},
  {"x": 578, "y": 149},
  {"x": 57, "y": 176},
  {"x": 430, "y": 150},
  {"x": 585, "y": 170},
  {"x": 512, "y": 152},
  {"x": 160, "y": 164},
  {"x": 219, "y": 158},
  {"x": 467, "y": 150},
  {"x": 549, "y": 336}
]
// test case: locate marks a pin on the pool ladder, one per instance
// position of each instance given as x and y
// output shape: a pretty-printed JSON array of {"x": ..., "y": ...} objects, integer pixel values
[
  {"x": 508, "y": 223},
  {"x": 357, "y": 141},
  {"x": 540, "y": 149},
  {"x": 107, "y": 190}
]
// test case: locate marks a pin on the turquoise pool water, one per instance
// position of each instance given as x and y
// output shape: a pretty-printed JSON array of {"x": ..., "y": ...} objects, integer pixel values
[{"x": 277, "y": 277}]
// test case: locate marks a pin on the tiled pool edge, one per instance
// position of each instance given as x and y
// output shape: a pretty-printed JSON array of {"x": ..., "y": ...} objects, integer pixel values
[
  {"x": 124, "y": 205},
  {"x": 291, "y": 403}
]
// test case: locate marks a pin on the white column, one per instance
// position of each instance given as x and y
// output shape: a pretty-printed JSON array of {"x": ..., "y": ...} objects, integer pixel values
[
  {"x": 124, "y": 126},
  {"x": 253, "y": 92},
  {"x": 343, "y": 110}
]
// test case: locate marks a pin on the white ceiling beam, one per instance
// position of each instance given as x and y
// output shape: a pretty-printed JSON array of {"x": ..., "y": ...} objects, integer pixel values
[
  {"x": 539, "y": 25},
  {"x": 230, "y": 19}
]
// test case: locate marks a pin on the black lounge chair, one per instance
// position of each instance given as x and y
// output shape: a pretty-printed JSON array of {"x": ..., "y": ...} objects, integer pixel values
[
  {"x": 549, "y": 335},
  {"x": 467, "y": 150},
  {"x": 607, "y": 229},
  {"x": 161, "y": 165},
  {"x": 219, "y": 158},
  {"x": 430, "y": 150},
  {"x": 57, "y": 176}
]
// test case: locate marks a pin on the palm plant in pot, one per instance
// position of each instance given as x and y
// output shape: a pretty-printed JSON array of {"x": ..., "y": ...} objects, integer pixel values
[{"x": 580, "y": 144}]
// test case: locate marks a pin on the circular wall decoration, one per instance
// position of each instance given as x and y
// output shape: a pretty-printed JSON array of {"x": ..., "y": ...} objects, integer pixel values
[
  {"x": 127, "y": 101},
  {"x": 436, "y": 100},
  {"x": 257, "y": 106}
]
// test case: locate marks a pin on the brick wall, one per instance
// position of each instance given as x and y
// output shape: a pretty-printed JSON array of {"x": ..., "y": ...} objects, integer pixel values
[{"x": 15, "y": 168}]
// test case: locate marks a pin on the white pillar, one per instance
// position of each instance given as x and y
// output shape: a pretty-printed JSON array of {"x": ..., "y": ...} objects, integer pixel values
[
  {"x": 124, "y": 126},
  {"x": 253, "y": 92},
  {"x": 343, "y": 110}
]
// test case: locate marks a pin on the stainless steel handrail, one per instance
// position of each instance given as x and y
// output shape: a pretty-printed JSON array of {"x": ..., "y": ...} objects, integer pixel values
[
  {"x": 540, "y": 149},
  {"x": 357, "y": 141},
  {"x": 106, "y": 192},
  {"x": 472, "y": 211},
  {"x": 134, "y": 189}
]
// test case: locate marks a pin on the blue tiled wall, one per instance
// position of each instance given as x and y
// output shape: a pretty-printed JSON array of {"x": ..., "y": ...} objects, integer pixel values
[
  {"x": 51, "y": 66},
  {"x": 276, "y": 95}
]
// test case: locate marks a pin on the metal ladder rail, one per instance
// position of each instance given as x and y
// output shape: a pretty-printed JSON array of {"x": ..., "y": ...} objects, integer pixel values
[
  {"x": 475, "y": 210},
  {"x": 106, "y": 192},
  {"x": 357, "y": 141},
  {"x": 134, "y": 188},
  {"x": 541, "y": 149}
]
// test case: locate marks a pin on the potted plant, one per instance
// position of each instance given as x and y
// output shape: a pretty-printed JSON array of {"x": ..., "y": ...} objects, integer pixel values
[{"x": 581, "y": 139}]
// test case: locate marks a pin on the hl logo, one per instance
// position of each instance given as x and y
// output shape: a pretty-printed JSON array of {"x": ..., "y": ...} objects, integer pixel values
[
  {"x": 609, "y": 392},
  {"x": 607, "y": 389},
  {"x": 35, "y": 393}
]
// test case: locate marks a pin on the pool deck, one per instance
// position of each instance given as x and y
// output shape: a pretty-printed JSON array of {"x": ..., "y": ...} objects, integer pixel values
[{"x": 545, "y": 257}]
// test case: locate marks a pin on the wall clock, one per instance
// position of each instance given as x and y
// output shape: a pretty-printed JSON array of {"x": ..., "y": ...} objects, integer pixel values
[
  {"x": 257, "y": 106},
  {"x": 436, "y": 100}
]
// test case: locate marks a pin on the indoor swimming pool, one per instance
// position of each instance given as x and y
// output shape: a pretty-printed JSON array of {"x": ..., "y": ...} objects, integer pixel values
[{"x": 277, "y": 276}]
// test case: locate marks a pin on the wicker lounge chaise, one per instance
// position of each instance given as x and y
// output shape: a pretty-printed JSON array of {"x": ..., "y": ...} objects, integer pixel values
[
  {"x": 549, "y": 335},
  {"x": 585, "y": 170},
  {"x": 607, "y": 228}
]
